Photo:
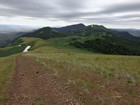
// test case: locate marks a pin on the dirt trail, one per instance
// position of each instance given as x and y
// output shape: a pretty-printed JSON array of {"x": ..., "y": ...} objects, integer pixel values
[{"x": 33, "y": 86}]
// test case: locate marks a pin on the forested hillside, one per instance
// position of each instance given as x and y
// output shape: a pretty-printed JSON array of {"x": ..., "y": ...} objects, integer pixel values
[{"x": 107, "y": 41}]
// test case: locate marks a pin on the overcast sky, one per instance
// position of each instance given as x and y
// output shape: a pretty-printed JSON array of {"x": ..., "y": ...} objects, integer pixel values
[{"x": 111, "y": 13}]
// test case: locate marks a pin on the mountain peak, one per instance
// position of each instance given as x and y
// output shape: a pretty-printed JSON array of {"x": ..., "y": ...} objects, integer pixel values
[
  {"x": 71, "y": 27},
  {"x": 97, "y": 26}
]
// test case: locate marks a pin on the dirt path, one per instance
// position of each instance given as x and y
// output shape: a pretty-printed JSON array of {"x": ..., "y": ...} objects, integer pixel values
[{"x": 33, "y": 86}]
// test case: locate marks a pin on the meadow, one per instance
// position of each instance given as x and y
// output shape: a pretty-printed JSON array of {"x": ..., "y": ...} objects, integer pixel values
[
  {"x": 94, "y": 78},
  {"x": 97, "y": 78}
]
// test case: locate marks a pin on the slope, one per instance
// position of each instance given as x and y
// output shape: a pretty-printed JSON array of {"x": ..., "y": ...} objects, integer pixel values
[
  {"x": 114, "y": 42},
  {"x": 107, "y": 44},
  {"x": 91, "y": 77},
  {"x": 18, "y": 45},
  {"x": 96, "y": 78}
]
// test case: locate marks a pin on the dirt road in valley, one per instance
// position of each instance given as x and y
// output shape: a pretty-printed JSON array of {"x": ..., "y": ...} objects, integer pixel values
[{"x": 34, "y": 86}]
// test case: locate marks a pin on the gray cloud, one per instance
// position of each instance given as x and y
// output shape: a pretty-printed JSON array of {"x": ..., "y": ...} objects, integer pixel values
[
  {"x": 71, "y": 4},
  {"x": 130, "y": 16},
  {"x": 128, "y": 7},
  {"x": 121, "y": 8},
  {"x": 69, "y": 10},
  {"x": 25, "y": 8},
  {"x": 34, "y": 8}
]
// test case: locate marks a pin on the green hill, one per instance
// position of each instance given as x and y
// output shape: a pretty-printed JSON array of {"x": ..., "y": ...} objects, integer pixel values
[
  {"x": 85, "y": 72},
  {"x": 107, "y": 41},
  {"x": 18, "y": 45},
  {"x": 45, "y": 33}
]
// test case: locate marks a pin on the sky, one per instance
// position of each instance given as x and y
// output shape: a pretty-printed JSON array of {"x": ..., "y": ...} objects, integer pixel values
[{"x": 55, "y": 13}]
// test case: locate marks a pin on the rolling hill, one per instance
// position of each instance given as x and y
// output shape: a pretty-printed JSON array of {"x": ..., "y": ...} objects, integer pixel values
[
  {"x": 75, "y": 65},
  {"x": 114, "y": 42},
  {"x": 134, "y": 32},
  {"x": 86, "y": 74}
]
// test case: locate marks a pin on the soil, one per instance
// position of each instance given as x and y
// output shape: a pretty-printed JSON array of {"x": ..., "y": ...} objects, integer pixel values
[{"x": 32, "y": 85}]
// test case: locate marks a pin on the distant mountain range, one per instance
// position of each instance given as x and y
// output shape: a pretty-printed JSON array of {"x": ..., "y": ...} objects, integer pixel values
[
  {"x": 92, "y": 37},
  {"x": 6, "y": 38},
  {"x": 77, "y": 29},
  {"x": 10, "y": 32},
  {"x": 135, "y": 32},
  {"x": 14, "y": 28}
]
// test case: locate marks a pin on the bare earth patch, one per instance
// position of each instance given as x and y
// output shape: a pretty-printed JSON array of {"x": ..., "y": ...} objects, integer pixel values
[{"x": 33, "y": 86}]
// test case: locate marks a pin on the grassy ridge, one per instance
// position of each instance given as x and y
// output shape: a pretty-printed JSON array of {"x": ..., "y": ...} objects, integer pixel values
[
  {"x": 92, "y": 76},
  {"x": 95, "y": 78},
  {"x": 11, "y": 50},
  {"x": 14, "y": 47}
]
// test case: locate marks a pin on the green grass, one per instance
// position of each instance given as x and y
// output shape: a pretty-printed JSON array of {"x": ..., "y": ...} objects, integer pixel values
[
  {"x": 81, "y": 68},
  {"x": 39, "y": 101},
  {"x": 59, "y": 50},
  {"x": 7, "y": 67},
  {"x": 105, "y": 65},
  {"x": 63, "y": 45},
  {"x": 13, "y": 48},
  {"x": 34, "y": 42},
  {"x": 109, "y": 76}
]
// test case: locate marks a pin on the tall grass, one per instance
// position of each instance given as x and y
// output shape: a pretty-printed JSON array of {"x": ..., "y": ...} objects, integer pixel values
[{"x": 105, "y": 65}]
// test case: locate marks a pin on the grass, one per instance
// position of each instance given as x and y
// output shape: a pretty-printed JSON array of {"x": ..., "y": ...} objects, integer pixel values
[
  {"x": 7, "y": 66},
  {"x": 63, "y": 45},
  {"x": 89, "y": 73},
  {"x": 14, "y": 47},
  {"x": 98, "y": 78},
  {"x": 105, "y": 65},
  {"x": 4, "y": 52},
  {"x": 39, "y": 101}
]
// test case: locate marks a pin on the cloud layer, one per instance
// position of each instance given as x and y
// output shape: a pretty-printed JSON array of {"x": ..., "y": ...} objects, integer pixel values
[{"x": 122, "y": 13}]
